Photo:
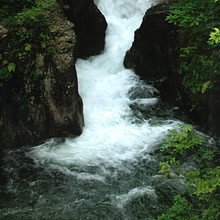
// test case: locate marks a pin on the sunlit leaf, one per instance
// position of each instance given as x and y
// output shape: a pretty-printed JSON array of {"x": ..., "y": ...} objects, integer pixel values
[
  {"x": 11, "y": 67},
  {"x": 205, "y": 86},
  {"x": 27, "y": 47}
]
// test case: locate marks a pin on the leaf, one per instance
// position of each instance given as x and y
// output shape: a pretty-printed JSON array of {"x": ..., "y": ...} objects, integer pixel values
[
  {"x": 27, "y": 47},
  {"x": 205, "y": 86},
  {"x": 43, "y": 45},
  {"x": 11, "y": 67},
  {"x": 214, "y": 38}
]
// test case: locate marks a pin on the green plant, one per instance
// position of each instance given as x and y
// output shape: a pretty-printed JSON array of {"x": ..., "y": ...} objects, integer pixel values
[
  {"x": 179, "y": 144},
  {"x": 214, "y": 38},
  {"x": 5, "y": 75},
  {"x": 203, "y": 182},
  {"x": 199, "y": 52},
  {"x": 30, "y": 26},
  {"x": 181, "y": 209}
]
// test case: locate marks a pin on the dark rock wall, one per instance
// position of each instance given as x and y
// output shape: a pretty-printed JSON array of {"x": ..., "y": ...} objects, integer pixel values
[
  {"x": 206, "y": 112},
  {"x": 153, "y": 51},
  {"x": 90, "y": 26},
  {"x": 149, "y": 54},
  {"x": 154, "y": 56}
]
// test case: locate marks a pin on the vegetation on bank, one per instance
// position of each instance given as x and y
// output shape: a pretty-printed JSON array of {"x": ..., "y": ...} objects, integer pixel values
[
  {"x": 201, "y": 200},
  {"x": 29, "y": 26},
  {"x": 198, "y": 21}
]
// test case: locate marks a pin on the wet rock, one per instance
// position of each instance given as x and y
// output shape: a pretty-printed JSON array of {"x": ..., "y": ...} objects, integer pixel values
[
  {"x": 153, "y": 50},
  {"x": 154, "y": 41}
]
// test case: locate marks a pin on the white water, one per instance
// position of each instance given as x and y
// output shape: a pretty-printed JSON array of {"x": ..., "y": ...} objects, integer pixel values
[
  {"x": 111, "y": 134},
  {"x": 122, "y": 200}
]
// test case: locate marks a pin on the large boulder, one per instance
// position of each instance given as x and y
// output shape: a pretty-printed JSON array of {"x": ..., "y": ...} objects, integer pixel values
[
  {"x": 90, "y": 26},
  {"x": 48, "y": 105},
  {"x": 154, "y": 56},
  {"x": 153, "y": 50},
  {"x": 150, "y": 53},
  {"x": 33, "y": 110}
]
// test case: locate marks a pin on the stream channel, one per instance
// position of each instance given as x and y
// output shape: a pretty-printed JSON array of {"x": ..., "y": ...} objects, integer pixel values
[{"x": 110, "y": 172}]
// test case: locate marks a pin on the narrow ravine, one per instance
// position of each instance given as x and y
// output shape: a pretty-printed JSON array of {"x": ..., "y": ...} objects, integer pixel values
[{"x": 111, "y": 170}]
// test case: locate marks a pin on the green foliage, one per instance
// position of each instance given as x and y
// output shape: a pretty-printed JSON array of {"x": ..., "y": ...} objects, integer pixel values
[
  {"x": 5, "y": 75},
  {"x": 214, "y": 38},
  {"x": 35, "y": 75},
  {"x": 42, "y": 97},
  {"x": 11, "y": 7},
  {"x": 180, "y": 143},
  {"x": 11, "y": 67},
  {"x": 35, "y": 17},
  {"x": 203, "y": 181},
  {"x": 206, "y": 181},
  {"x": 30, "y": 29},
  {"x": 165, "y": 167},
  {"x": 199, "y": 55},
  {"x": 180, "y": 210},
  {"x": 66, "y": 7}
]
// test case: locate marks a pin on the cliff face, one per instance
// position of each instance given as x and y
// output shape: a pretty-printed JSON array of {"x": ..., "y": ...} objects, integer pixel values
[
  {"x": 33, "y": 110},
  {"x": 149, "y": 54},
  {"x": 153, "y": 51},
  {"x": 154, "y": 56}
]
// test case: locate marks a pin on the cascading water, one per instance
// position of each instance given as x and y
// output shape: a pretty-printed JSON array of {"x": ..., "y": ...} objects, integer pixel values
[
  {"x": 112, "y": 133},
  {"x": 110, "y": 171}
]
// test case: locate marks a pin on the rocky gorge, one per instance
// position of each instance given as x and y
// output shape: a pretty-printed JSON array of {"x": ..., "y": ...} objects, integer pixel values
[{"x": 85, "y": 138}]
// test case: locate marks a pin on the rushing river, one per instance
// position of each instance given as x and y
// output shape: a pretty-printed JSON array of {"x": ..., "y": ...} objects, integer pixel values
[{"x": 111, "y": 170}]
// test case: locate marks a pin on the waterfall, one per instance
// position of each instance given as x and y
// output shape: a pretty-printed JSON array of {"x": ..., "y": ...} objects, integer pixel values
[{"x": 112, "y": 132}]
